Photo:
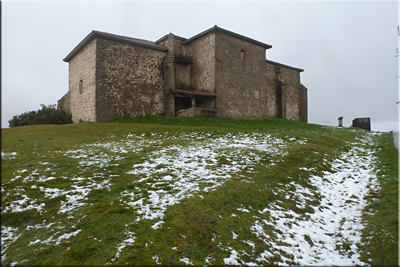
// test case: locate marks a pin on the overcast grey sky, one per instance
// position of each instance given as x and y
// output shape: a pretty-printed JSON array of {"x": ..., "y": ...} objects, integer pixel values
[{"x": 346, "y": 48}]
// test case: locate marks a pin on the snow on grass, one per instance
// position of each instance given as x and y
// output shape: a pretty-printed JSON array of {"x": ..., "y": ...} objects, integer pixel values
[
  {"x": 176, "y": 172},
  {"x": 128, "y": 241},
  {"x": 8, "y": 155},
  {"x": 330, "y": 235},
  {"x": 54, "y": 240},
  {"x": 187, "y": 261},
  {"x": 156, "y": 259},
  {"x": 8, "y": 237},
  {"x": 23, "y": 204},
  {"x": 75, "y": 198},
  {"x": 17, "y": 262},
  {"x": 92, "y": 155},
  {"x": 200, "y": 166},
  {"x": 234, "y": 258},
  {"x": 171, "y": 173}
]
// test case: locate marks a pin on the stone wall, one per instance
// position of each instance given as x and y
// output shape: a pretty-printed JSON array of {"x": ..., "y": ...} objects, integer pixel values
[
  {"x": 197, "y": 112},
  {"x": 82, "y": 84},
  {"x": 274, "y": 91},
  {"x": 111, "y": 78},
  {"x": 290, "y": 95},
  {"x": 202, "y": 67},
  {"x": 303, "y": 106},
  {"x": 129, "y": 81},
  {"x": 240, "y": 78},
  {"x": 180, "y": 48},
  {"x": 64, "y": 103}
]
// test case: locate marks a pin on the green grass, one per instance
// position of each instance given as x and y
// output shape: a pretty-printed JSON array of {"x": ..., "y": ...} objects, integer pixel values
[
  {"x": 383, "y": 247},
  {"x": 198, "y": 227}
]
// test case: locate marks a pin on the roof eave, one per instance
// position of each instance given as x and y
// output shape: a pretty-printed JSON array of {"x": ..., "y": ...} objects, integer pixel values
[
  {"x": 94, "y": 34},
  {"x": 74, "y": 51},
  {"x": 216, "y": 28},
  {"x": 283, "y": 65},
  {"x": 166, "y": 37}
]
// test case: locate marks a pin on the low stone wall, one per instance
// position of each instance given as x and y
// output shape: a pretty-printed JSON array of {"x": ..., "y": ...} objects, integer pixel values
[
  {"x": 197, "y": 112},
  {"x": 64, "y": 103}
]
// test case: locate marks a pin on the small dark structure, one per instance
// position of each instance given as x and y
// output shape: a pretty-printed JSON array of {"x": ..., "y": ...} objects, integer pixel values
[
  {"x": 340, "y": 121},
  {"x": 363, "y": 123}
]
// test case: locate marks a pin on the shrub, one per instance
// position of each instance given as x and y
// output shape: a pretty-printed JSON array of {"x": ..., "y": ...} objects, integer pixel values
[{"x": 47, "y": 115}]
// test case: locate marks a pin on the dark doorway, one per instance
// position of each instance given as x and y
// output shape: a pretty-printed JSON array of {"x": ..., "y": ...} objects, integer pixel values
[
  {"x": 182, "y": 103},
  {"x": 278, "y": 104}
]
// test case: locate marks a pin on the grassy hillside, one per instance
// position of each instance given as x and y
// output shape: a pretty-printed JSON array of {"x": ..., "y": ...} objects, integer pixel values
[{"x": 196, "y": 191}]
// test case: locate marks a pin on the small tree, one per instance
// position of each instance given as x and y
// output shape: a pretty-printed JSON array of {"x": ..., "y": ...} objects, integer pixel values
[{"x": 47, "y": 115}]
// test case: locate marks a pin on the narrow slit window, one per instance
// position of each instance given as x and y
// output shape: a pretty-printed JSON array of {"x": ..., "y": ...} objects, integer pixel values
[{"x": 243, "y": 55}]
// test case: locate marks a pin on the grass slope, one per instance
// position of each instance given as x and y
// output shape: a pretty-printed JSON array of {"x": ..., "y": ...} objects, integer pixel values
[{"x": 179, "y": 191}]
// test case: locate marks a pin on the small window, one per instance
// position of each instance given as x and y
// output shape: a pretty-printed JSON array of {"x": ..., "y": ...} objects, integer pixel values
[
  {"x": 80, "y": 86},
  {"x": 242, "y": 55}
]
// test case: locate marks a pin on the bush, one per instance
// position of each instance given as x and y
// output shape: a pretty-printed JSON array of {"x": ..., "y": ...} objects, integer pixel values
[{"x": 47, "y": 115}]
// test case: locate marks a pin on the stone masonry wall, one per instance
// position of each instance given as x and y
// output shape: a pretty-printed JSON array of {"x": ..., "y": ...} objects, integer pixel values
[
  {"x": 182, "y": 76},
  {"x": 182, "y": 69},
  {"x": 293, "y": 96},
  {"x": 274, "y": 109},
  {"x": 303, "y": 105},
  {"x": 82, "y": 85},
  {"x": 129, "y": 81},
  {"x": 240, "y": 79},
  {"x": 291, "y": 78},
  {"x": 180, "y": 48},
  {"x": 64, "y": 103},
  {"x": 202, "y": 68}
]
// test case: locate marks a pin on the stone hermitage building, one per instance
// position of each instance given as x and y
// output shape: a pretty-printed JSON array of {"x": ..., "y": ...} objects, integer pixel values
[{"x": 216, "y": 73}]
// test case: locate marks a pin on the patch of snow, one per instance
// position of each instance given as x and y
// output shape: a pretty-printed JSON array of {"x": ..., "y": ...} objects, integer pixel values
[
  {"x": 43, "y": 179},
  {"x": 8, "y": 237},
  {"x": 243, "y": 210},
  {"x": 67, "y": 236},
  {"x": 233, "y": 258},
  {"x": 157, "y": 225},
  {"x": 252, "y": 244},
  {"x": 23, "y": 205},
  {"x": 234, "y": 236},
  {"x": 17, "y": 262},
  {"x": 186, "y": 261},
  {"x": 209, "y": 260},
  {"x": 8, "y": 155},
  {"x": 128, "y": 241},
  {"x": 156, "y": 259}
]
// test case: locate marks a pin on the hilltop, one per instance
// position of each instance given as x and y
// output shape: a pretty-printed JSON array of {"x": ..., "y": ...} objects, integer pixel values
[{"x": 197, "y": 191}]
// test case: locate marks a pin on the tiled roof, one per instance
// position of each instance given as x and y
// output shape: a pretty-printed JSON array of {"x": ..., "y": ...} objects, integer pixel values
[{"x": 115, "y": 37}]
